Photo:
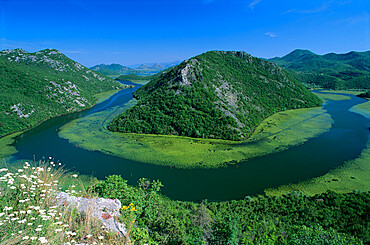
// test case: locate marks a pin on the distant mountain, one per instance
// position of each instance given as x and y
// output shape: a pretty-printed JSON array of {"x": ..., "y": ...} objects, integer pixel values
[
  {"x": 143, "y": 67},
  {"x": 113, "y": 69},
  {"x": 158, "y": 67},
  {"x": 41, "y": 85},
  {"x": 332, "y": 71},
  {"x": 217, "y": 94}
]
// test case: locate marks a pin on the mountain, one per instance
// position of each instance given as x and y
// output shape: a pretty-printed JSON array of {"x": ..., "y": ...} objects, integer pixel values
[
  {"x": 158, "y": 67},
  {"x": 143, "y": 67},
  {"x": 116, "y": 70},
  {"x": 217, "y": 94},
  {"x": 41, "y": 85},
  {"x": 332, "y": 71},
  {"x": 112, "y": 69}
]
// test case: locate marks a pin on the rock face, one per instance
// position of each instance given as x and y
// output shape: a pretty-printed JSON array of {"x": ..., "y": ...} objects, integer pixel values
[
  {"x": 102, "y": 209},
  {"x": 37, "y": 86},
  {"x": 218, "y": 94}
]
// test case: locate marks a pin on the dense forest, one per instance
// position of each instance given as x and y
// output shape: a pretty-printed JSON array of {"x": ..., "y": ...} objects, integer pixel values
[
  {"x": 41, "y": 85},
  {"x": 328, "y": 218},
  {"x": 217, "y": 94},
  {"x": 330, "y": 71}
]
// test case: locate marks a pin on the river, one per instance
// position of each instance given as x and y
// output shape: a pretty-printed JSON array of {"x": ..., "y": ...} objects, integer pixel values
[{"x": 343, "y": 142}]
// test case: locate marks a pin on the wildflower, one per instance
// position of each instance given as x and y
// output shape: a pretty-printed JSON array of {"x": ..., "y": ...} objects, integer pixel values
[
  {"x": 29, "y": 224},
  {"x": 38, "y": 229},
  {"x": 13, "y": 187},
  {"x": 88, "y": 236},
  {"x": 3, "y": 169},
  {"x": 58, "y": 230},
  {"x": 33, "y": 238},
  {"x": 25, "y": 238},
  {"x": 42, "y": 240},
  {"x": 7, "y": 208},
  {"x": 100, "y": 237},
  {"x": 74, "y": 175},
  {"x": 20, "y": 170}
]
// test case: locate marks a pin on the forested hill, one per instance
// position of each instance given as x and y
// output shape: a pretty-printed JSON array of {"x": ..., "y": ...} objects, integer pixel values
[
  {"x": 217, "y": 94},
  {"x": 332, "y": 71},
  {"x": 41, "y": 85}
]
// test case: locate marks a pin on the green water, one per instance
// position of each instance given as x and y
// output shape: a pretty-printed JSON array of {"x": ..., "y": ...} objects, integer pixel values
[{"x": 344, "y": 141}]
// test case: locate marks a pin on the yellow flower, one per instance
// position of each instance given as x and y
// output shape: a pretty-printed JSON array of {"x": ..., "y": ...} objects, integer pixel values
[{"x": 124, "y": 207}]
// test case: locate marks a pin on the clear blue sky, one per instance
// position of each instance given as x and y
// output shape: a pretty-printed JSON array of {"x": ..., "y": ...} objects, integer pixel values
[{"x": 141, "y": 31}]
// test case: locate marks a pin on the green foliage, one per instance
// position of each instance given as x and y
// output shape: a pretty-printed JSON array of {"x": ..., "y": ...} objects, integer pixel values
[
  {"x": 37, "y": 86},
  {"x": 304, "y": 235},
  {"x": 222, "y": 95},
  {"x": 331, "y": 71},
  {"x": 328, "y": 218}
]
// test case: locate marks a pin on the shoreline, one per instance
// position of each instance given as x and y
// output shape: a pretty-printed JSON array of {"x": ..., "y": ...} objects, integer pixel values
[{"x": 44, "y": 120}]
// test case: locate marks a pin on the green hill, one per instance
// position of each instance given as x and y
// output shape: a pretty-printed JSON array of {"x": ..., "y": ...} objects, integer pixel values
[
  {"x": 217, "y": 94},
  {"x": 331, "y": 71},
  {"x": 41, "y": 85}
]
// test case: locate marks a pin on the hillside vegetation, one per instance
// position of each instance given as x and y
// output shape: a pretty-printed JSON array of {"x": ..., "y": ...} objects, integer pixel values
[
  {"x": 223, "y": 95},
  {"x": 41, "y": 85},
  {"x": 331, "y": 71},
  {"x": 30, "y": 214}
]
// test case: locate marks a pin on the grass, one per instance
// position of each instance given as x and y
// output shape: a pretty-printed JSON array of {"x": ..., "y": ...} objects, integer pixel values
[
  {"x": 100, "y": 97},
  {"x": 326, "y": 97},
  {"x": 5, "y": 145},
  {"x": 363, "y": 109},
  {"x": 353, "y": 175},
  {"x": 343, "y": 91},
  {"x": 30, "y": 214},
  {"x": 276, "y": 133},
  {"x": 142, "y": 82}
]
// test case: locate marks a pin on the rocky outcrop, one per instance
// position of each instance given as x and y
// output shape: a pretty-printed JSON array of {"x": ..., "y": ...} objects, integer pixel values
[{"x": 105, "y": 210}]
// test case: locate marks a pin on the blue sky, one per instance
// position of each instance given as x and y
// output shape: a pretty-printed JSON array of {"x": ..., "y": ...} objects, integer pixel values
[{"x": 142, "y": 31}]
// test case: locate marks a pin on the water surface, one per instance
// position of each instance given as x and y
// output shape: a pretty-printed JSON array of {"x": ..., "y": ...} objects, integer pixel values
[{"x": 343, "y": 142}]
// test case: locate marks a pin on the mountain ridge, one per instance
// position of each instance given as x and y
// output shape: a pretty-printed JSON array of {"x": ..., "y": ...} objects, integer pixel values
[
  {"x": 44, "y": 84},
  {"x": 333, "y": 71}
]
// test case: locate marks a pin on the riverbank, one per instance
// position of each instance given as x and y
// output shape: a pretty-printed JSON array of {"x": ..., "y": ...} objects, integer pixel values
[
  {"x": 276, "y": 133},
  {"x": 353, "y": 175},
  {"x": 5, "y": 141}
]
